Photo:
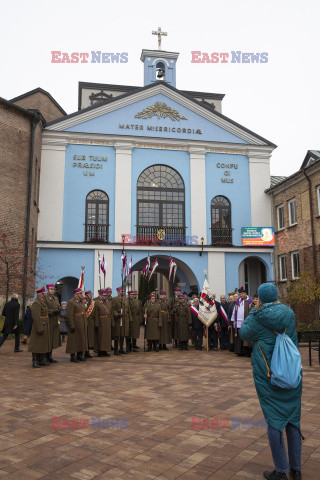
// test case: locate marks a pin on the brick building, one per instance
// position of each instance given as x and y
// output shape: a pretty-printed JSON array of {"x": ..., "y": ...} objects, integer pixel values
[
  {"x": 296, "y": 218},
  {"x": 22, "y": 120}
]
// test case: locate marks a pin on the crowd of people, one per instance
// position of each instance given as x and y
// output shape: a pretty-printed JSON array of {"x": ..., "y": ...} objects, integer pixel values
[{"x": 108, "y": 324}]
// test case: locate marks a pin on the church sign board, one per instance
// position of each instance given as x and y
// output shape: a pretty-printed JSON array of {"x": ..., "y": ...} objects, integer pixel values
[{"x": 257, "y": 236}]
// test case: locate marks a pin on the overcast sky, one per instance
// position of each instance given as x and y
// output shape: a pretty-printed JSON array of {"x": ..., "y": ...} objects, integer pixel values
[{"x": 279, "y": 100}]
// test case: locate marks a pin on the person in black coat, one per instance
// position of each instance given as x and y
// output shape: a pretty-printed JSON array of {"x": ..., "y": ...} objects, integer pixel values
[
  {"x": 197, "y": 326},
  {"x": 11, "y": 323},
  {"x": 27, "y": 322},
  {"x": 215, "y": 327},
  {"x": 224, "y": 324}
]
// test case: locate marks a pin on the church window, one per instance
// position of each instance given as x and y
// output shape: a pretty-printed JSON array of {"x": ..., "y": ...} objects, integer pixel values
[
  {"x": 97, "y": 217},
  {"x": 221, "y": 231}
]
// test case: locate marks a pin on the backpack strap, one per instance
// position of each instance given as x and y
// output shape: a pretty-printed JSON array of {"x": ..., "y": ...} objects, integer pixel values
[{"x": 265, "y": 361}]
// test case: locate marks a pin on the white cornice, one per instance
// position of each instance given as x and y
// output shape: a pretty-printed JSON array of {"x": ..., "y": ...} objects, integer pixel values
[
  {"x": 158, "y": 54},
  {"x": 100, "y": 246},
  {"x": 53, "y": 138},
  {"x": 144, "y": 94}
]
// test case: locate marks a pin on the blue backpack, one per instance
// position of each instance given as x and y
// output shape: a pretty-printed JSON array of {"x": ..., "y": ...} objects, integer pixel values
[{"x": 285, "y": 363}]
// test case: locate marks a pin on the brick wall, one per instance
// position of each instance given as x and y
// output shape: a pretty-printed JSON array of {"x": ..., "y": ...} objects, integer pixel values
[{"x": 40, "y": 101}]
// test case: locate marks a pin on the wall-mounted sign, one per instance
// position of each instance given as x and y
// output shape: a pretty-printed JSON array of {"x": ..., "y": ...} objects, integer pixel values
[
  {"x": 257, "y": 236},
  {"x": 228, "y": 170},
  {"x": 88, "y": 163}
]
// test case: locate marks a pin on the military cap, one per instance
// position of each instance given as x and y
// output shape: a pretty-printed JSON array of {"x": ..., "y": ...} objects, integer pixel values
[
  {"x": 40, "y": 290},
  {"x": 88, "y": 292},
  {"x": 77, "y": 290},
  {"x": 51, "y": 285}
]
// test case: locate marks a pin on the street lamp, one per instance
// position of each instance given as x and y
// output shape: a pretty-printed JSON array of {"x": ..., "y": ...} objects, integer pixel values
[{"x": 202, "y": 240}]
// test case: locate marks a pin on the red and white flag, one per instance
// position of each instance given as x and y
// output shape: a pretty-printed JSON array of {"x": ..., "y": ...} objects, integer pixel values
[
  {"x": 194, "y": 309},
  {"x": 130, "y": 266},
  {"x": 81, "y": 280},
  {"x": 103, "y": 266},
  {"x": 224, "y": 315},
  {"x": 172, "y": 269},
  {"x": 154, "y": 266},
  {"x": 123, "y": 263}
]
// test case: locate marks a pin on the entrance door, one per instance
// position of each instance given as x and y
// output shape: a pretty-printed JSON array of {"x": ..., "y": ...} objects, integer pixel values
[{"x": 252, "y": 272}]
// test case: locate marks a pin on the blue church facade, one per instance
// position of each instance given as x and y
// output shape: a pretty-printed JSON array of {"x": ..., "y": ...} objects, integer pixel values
[{"x": 154, "y": 170}]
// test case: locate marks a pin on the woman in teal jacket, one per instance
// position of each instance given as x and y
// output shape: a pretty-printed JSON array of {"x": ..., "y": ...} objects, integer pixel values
[{"x": 281, "y": 408}]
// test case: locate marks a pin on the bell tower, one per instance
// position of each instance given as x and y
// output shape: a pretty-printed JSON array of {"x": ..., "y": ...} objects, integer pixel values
[{"x": 158, "y": 64}]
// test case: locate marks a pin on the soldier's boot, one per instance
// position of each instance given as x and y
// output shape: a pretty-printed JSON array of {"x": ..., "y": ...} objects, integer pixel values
[
  {"x": 186, "y": 346},
  {"x": 135, "y": 344},
  {"x": 73, "y": 358},
  {"x": 42, "y": 360},
  {"x": 155, "y": 346},
  {"x": 122, "y": 350},
  {"x": 181, "y": 346},
  {"x": 149, "y": 346},
  {"x": 81, "y": 357},
  {"x": 50, "y": 359},
  {"x": 164, "y": 347},
  {"x": 176, "y": 344},
  {"x": 88, "y": 355},
  {"x": 116, "y": 348},
  {"x": 160, "y": 346},
  {"x": 35, "y": 362}
]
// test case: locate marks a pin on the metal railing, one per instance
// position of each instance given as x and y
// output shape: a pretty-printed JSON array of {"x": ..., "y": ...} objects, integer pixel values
[
  {"x": 161, "y": 235},
  {"x": 221, "y": 236},
  {"x": 96, "y": 233}
]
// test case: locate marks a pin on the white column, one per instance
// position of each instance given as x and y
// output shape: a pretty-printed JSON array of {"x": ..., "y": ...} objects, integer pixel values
[
  {"x": 217, "y": 273},
  {"x": 51, "y": 192},
  {"x": 198, "y": 193},
  {"x": 123, "y": 190},
  {"x": 108, "y": 256},
  {"x": 259, "y": 171}
]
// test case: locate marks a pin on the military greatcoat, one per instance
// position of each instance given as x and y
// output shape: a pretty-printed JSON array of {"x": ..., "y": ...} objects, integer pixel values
[
  {"x": 52, "y": 303},
  {"x": 90, "y": 312},
  {"x": 166, "y": 321},
  {"x": 137, "y": 317},
  {"x": 103, "y": 320},
  {"x": 77, "y": 318},
  {"x": 40, "y": 341},
  {"x": 184, "y": 320},
  {"x": 121, "y": 326},
  {"x": 173, "y": 304},
  {"x": 153, "y": 322}
]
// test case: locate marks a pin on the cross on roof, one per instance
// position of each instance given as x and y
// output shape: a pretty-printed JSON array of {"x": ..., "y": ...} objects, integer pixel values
[{"x": 159, "y": 33}]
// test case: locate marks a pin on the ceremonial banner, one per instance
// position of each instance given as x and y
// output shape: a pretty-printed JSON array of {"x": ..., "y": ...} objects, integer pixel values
[
  {"x": 207, "y": 307},
  {"x": 154, "y": 266},
  {"x": 172, "y": 269}
]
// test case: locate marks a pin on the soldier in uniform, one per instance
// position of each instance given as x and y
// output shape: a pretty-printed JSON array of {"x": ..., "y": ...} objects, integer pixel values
[
  {"x": 90, "y": 312},
  {"x": 166, "y": 321},
  {"x": 173, "y": 305},
  {"x": 121, "y": 322},
  {"x": 152, "y": 317},
  {"x": 54, "y": 309},
  {"x": 137, "y": 318},
  {"x": 77, "y": 343},
  {"x": 183, "y": 322},
  {"x": 40, "y": 342},
  {"x": 103, "y": 321}
]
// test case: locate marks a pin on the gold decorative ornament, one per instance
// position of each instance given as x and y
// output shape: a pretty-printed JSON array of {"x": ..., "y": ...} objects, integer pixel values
[
  {"x": 161, "y": 234},
  {"x": 160, "y": 110}
]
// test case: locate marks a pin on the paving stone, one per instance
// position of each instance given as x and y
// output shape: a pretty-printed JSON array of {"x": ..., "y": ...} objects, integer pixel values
[{"x": 143, "y": 407}]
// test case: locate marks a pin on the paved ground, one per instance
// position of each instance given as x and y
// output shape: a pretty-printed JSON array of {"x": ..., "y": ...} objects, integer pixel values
[{"x": 156, "y": 395}]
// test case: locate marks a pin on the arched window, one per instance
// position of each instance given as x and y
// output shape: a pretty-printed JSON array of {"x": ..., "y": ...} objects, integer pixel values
[
  {"x": 161, "y": 203},
  {"x": 97, "y": 217},
  {"x": 221, "y": 231}
]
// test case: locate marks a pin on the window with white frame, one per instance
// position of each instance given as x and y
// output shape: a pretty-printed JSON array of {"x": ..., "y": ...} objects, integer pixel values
[
  {"x": 292, "y": 212},
  {"x": 318, "y": 198},
  {"x": 295, "y": 265},
  {"x": 280, "y": 216},
  {"x": 283, "y": 267}
]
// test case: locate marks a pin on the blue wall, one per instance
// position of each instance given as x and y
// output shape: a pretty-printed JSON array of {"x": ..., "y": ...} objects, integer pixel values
[
  {"x": 232, "y": 262},
  {"x": 77, "y": 186},
  {"x": 145, "y": 157},
  {"x": 56, "y": 263},
  {"x": 109, "y": 123},
  {"x": 237, "y": 192}
]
